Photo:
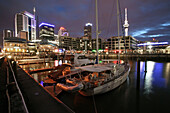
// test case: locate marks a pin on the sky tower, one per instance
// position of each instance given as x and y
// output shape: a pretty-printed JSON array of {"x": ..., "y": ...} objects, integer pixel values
[{"x": 126, "y": 25}]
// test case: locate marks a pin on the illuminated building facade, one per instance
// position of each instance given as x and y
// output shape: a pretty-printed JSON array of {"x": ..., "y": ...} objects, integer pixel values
[
  {"x": 25, "y": 21},
  {"x": 46, "y": 31},
  {"x": 100, "y": 44},
  {"x": 63, "y": 32},
  {"x": 15, "y": 45},
  {"x": 69, "y": 43},
  {"x": 85, "y": 44},
  {"x": 128, "y": 42},
  {"x": 152, "y": 47}
]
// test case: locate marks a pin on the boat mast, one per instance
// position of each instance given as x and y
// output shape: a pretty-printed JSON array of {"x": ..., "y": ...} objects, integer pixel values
[
  {"x": 118, "y": 31},
  {"x": 97, "y": 34}
]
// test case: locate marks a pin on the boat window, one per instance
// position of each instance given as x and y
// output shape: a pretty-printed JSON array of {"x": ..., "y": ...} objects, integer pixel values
[{"x": 82, "y": 57}]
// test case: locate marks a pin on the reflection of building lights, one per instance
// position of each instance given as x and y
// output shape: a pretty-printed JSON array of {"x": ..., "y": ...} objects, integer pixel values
[{"x": 149, "y": 77}]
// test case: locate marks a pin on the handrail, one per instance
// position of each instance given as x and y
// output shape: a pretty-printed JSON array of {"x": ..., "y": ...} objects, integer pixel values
[{"x": 25, "y": 107}]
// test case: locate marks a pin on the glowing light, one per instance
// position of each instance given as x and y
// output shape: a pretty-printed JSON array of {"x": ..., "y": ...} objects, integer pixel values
[
  {"x": 89, "y": 24},
  {"x": 56, "y": 50},
  {"x": 153, "y": 43},
  {"x": 29, "y": 14},
  {"x": 9, "y": 56},
  {"x": 16, "y": 47},
  {"x": 56, "y": 62},
  {"x": 46, "y": 24},
  {"x": 62, "y": 28},
  {"x": 150, "y": 47}
]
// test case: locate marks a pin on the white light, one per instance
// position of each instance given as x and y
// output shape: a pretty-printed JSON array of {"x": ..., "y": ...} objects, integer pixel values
[
  {"x": 150, "y": 47},
  {"x": 9, "y": 56},
  {"x": 89, "y": 24}
]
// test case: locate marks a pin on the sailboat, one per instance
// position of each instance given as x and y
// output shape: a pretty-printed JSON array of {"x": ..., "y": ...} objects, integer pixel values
[{"x": 95, "y": 79}]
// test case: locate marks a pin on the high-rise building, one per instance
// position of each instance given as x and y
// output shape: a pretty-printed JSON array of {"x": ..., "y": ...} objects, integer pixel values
[
  {"x": 88, "y": 33},
  {"x": 46, "y": 31},
  {"x": 121, "y": 43},
  {"x": 25, "y": 21},
  {"x": 63, "y": 32}
]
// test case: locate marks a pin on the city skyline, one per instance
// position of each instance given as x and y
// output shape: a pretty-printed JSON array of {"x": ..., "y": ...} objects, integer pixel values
[{"x": 147, "y": 19}]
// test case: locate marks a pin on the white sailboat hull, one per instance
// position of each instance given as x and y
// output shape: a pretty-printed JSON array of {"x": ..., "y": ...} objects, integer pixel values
[{"x": 107, "y": 86}]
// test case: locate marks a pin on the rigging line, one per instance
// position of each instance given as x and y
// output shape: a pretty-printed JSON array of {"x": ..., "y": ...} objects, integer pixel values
[
  {"x": 123, "y": 33},
  {"x": 94, "y": 103},
  {"x": 109, "y": 22}
]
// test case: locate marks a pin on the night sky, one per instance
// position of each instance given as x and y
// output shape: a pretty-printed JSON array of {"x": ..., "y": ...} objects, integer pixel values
[{"x": 147, "y": 18}]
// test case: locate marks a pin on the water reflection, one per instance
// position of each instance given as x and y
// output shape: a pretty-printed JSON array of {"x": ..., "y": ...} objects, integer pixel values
[
  {"x": 149, "y": 77},
  {"x": 155, "y": 85},
  {"x": 167, "y": 72}
]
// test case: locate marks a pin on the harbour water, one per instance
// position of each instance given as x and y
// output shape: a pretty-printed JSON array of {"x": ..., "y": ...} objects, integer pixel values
[{"x": 152, "y": 96}]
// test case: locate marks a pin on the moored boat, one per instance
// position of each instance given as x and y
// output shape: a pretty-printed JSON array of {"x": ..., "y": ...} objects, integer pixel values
[{"x": 97, "y": 79}]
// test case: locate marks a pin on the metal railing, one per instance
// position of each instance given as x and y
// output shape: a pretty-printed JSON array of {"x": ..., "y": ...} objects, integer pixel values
[{"x": 19, "y": 91}]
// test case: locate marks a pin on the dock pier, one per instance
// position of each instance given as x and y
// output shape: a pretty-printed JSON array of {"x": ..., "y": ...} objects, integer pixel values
[{"x": 29, "y": 95}]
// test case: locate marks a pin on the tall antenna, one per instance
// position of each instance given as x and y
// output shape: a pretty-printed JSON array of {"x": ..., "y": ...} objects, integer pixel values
[{"x": 126, "y": 25}]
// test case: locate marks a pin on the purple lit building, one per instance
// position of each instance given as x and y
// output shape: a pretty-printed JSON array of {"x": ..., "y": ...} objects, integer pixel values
[{"x": 46, "y": 31}]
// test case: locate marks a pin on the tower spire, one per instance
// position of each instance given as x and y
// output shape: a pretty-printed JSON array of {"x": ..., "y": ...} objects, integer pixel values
[{"x": 126, "y": 25}]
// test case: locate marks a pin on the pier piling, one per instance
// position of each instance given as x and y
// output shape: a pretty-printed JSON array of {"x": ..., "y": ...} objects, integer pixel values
[{"x": 138, "y": 74}]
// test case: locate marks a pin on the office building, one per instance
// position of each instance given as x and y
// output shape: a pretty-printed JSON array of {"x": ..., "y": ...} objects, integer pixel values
[
  {"x": 46, "y": 31},
  {"x": 25, "y": 21},
  {"x": 121, "y": 43}
]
